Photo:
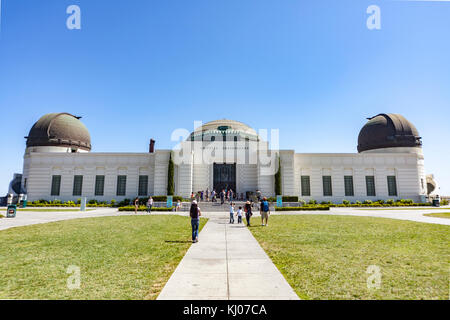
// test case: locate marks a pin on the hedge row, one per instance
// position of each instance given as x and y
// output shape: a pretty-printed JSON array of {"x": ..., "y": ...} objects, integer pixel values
[
  {"x": 142, "y": 208},
  {"x": 316, "y": 208},
  {"x": 65, "y": 205}
]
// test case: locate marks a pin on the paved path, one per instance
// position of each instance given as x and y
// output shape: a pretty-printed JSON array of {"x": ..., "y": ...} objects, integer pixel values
[{"x": 226, "y": 264}]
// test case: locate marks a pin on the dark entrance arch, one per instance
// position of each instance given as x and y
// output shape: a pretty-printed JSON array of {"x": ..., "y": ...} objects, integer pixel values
[{"x": 224, "y": 177}]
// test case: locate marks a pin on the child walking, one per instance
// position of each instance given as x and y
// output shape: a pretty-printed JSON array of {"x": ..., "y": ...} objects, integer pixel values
[
  {"x": 239, "y": 215},
  {"x": 231, "y": 213}
]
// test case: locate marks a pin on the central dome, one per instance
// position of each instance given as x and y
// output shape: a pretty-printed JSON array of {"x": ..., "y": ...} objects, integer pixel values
[
  {"x": 224, "y": 128},
  {"x": 59, "y": 130}
]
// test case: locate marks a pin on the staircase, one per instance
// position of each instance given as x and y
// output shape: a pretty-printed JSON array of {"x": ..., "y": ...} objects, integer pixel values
[{"x": 217, "y": 207}]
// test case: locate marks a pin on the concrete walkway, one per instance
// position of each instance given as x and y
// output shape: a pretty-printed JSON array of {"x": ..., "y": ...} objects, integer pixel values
[{"x": 226, "y": 264}]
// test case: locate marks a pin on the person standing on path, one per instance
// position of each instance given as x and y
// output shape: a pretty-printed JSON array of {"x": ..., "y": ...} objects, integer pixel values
[
  {"x": 264, "y": 209},
  {"x": 239, "y": 215},
  {"x": 149, "y": 205},
  {"x": 231, "y": 213},
  {"x": 248, "y": 212},
  {"x": 136, "y": 205},
  {"x": 195, "y": 220}
]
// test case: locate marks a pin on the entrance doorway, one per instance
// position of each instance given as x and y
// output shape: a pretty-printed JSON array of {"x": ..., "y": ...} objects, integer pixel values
[{"x": 224, "y": 177}]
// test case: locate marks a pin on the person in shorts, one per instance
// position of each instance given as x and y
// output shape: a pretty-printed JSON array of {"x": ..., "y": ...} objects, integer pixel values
[{"x": 264, "y": 209}]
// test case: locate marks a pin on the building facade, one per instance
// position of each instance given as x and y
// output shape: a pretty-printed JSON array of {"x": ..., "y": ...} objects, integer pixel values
[{"x": 59, "y": 164}]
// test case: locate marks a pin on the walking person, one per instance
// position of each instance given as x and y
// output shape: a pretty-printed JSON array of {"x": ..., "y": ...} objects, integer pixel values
[
  {"x": 136, "y": 205},
  {"x": 149, "y": 205},
  {"x": 178, "y": 207},
  {"x": 264, "y": 209},
  {"x": 231, "y": 213},
  {"x": 248, "y": 212},
  {"x": 195, "y": 214},
  {"x": 222, "y": 197},
  {"x": 239, "y": 215}
]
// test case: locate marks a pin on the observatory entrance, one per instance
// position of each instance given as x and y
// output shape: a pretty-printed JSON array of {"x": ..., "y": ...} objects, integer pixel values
[{"x": 224, "y": 177}]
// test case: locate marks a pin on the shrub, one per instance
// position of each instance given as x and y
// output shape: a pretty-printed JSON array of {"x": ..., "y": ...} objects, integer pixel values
[
  {"x": 368, "y": 202},
  {"x": 302, "y": 203},
  {"x": 444, "y": 202},
  {"x": 390, "y": 201},
  {"x": 312, "y": 202},
  {"x": 92, "y": 202},
  {"x": 113, "y": 202},
  {"x": 290, "y": 199},
  {"x": 306, "y": 208},
  {"x": 345, "y": 202},
  {"x": 143, "y": 208},
  {"x": 358, "y": 203},
  {"x": 124, "y": 203}
]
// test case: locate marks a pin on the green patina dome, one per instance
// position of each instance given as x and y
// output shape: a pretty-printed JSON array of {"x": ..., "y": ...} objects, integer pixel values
[{"x": 59, "y": 130}]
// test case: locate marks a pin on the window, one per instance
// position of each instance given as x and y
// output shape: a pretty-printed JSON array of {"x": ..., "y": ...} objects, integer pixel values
[
  {"x": 327, "y": 189},
  {"x": 392, "y": 186},
  {"x": 306, "y": 186},
  {"x": 370, "y": 186},
  {"x": 121, "y": 185},
  {"x": 56, "y": 185},
  {"x": 349, "y": 190},
  {"x": 143, "y": 185},
  {"x": 77, "y": 185},
  {"x": 100, "y": 185}
]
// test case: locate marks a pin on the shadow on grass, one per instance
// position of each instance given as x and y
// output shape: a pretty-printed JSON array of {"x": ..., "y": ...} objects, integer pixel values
[{"x": 178, "y": 241}]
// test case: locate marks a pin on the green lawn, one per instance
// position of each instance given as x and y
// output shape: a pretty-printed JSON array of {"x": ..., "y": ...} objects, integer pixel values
[
  {"x": 119, "y": 257},
  {"x": 326, "y": 257},
  {"x": 439, "y": 215}
]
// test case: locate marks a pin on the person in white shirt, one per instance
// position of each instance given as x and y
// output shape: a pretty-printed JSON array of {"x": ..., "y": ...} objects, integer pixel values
[
  {"x": 149, "y": 205},
  {"x": 231, "y": 213}
]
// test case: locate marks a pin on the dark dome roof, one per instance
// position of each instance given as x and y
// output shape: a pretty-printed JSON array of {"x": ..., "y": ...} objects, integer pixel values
[
  {"x": 60, "y": 130},
  {"x": 388, "y": 131}
]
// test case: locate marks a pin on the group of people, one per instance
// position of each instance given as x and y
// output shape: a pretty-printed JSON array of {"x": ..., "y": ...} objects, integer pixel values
[
  {"x": 264, "y": 210},
  {"x": 213, "y": 196},
  {"x": 149, "y": 205}
]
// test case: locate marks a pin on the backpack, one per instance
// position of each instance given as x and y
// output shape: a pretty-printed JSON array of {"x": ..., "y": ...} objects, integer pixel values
[
  {"x": 265, "y": 206},
  {"x": 194, "y": 212}
]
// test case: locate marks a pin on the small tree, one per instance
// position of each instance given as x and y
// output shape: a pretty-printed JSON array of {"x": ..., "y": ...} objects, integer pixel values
[
  {"x": 170, "y": 177},
  {"x": 278, "y": 179}
]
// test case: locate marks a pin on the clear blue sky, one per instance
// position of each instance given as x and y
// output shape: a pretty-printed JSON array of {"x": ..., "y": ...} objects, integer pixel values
[{"x": 138, "y": 69}]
